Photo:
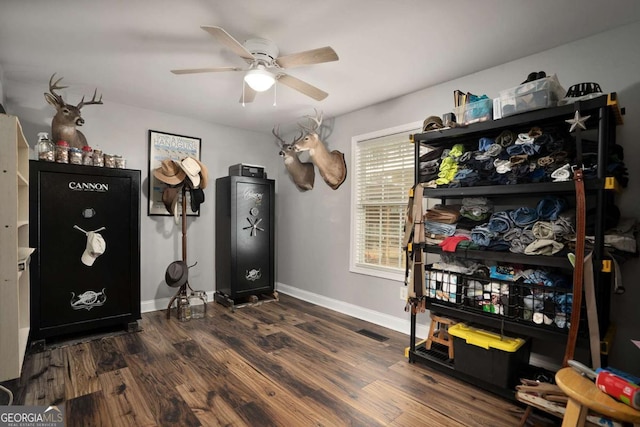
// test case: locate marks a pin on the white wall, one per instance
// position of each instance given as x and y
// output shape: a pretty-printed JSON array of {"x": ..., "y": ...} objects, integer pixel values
[
  {"x": 314, "y": 247},
  {"x": 121, "y": 129}
]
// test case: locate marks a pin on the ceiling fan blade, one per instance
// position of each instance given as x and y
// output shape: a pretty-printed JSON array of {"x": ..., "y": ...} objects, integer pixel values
[
  {"x": 314, "y": 56},
  {"x": 302, "y": 87},
  {"x": 226, "y": 39},
  {"x": 249, "y": 94},
  {"x": 205, "y": 70}
]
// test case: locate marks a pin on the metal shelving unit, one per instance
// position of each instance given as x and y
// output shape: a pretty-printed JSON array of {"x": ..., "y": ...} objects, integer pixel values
[{"x": 605, "y": 115}]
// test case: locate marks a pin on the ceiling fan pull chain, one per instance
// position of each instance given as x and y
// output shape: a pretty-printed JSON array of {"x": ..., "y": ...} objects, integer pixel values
[
  {"x": 275, "y": 94},
  {"x": 243, "y": 83}
]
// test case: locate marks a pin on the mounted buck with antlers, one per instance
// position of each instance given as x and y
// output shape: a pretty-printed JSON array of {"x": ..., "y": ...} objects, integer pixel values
[
  {"x": 331, "y": 165},
  {"x": 303, "y": 174},
  {"x": 63, "y": 125}
]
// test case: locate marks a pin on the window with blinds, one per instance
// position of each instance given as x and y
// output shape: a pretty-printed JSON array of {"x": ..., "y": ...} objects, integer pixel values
[{"x": 383, "y": 165}]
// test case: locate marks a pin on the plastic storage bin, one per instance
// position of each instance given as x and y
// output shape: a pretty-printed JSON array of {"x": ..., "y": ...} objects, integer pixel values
[
  {"x": 488, "y": 356},
  {"x": 541, "y": 93},
  {"x": 474, "y": 112}
]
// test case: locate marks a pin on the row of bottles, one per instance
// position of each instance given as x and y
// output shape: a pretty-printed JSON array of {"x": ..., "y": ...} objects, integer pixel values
[{"x": 62, "y": 153}]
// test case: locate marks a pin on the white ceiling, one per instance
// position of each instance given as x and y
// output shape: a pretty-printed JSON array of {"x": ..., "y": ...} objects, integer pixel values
[{"x": 387, "y": 48}]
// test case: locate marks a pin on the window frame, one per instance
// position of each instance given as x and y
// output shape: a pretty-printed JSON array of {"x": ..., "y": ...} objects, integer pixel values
[{"x": 376, "y": 271}]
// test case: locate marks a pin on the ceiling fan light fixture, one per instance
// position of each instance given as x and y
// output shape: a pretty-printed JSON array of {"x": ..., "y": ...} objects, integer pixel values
[{"x": 259, "y": 79}]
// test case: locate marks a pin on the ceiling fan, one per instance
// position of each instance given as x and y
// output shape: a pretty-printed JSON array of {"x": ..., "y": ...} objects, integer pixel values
[{"x": 265, "y": 66}]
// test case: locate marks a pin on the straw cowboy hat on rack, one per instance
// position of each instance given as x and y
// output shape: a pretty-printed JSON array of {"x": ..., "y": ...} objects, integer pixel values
[
  {"x": 196, "y": 171},
  {"x": 169, "y": 172}
]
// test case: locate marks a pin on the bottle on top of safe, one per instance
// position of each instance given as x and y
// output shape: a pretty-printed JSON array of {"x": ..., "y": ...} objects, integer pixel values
[{"x": 45, "y": 148}]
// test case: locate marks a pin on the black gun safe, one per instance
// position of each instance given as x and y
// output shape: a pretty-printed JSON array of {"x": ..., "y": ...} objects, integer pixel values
[
  {"x": 85, "y": 226},
  {"x": 245, "y": 238}
]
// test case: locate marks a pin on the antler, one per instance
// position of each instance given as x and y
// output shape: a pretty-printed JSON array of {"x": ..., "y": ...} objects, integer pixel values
[
  {"x": 276, "y": 131},
  {"x": 93, "y": 100},
  {"x": 52, "y": 89},
  {"x": 317, "y": 120}
]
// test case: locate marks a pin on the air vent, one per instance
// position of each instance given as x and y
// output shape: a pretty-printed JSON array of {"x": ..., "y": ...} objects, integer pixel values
[{"x": 372, "y": 335}]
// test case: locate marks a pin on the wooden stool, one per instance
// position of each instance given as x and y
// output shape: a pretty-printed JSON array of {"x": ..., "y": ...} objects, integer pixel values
[
  {"x": 439, "y": 333},
  {"x": 584, "y": 395}
]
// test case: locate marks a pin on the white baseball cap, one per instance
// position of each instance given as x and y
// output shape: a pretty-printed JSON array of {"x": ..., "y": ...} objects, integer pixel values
[{"x": 95, "y": 247}]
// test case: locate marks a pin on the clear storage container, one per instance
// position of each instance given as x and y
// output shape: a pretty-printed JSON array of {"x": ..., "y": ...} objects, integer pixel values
[
  {"x": 474, "y": 112},
  {"x": 120, "y": 162},
  {"x": 98, "y": 158},
  {"x": 87, "y": 156},
  {"x": 198, "y": 303},
  {"x": 184, "y": 308},
  {"x": 75, "y": 156},
  {"x": 45, "y": 148},
  {"x": 109, "y": 161},
  {"x": 541, "y": 93},
  {"x": 62, "y": 152}
]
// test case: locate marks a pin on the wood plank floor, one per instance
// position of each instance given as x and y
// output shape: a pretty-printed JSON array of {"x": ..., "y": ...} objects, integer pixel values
[{"x": 286, "y": 363}]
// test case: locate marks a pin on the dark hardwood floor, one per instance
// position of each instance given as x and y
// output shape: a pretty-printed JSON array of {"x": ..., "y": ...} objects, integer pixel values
[{"x": 286, "y": 363}]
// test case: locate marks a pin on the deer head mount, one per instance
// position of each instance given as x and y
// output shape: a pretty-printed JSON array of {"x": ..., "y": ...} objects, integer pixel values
[
  {"x": 302, "y": 174},
  {"x": 63, "y": 125},
  {"x": 331, "y": 165}
]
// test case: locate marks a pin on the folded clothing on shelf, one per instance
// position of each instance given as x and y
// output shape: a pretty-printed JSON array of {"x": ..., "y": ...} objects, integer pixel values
[{"x": 516, "y": 158}]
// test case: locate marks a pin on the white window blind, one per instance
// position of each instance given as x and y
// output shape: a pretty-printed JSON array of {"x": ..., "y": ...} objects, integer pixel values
[{"x": 383, "y": 175}]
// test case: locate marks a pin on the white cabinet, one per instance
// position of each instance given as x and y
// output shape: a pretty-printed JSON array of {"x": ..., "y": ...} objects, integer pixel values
[{"x": 14, "y": 247}]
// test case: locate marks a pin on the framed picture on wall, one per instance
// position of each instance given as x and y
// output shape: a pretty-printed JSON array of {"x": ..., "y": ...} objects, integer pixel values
[{"x": 164, "y": 146}]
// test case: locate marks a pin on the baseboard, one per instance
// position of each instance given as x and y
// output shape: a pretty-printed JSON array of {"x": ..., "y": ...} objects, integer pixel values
[{"x": 381, "y": 319}]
